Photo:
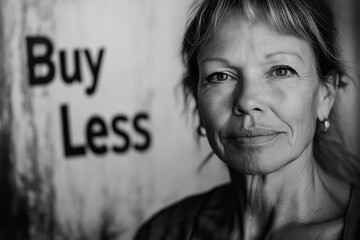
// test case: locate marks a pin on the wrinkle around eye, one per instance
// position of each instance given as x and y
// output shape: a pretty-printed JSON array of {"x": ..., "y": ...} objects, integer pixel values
[{"x": 206, "y": 90}]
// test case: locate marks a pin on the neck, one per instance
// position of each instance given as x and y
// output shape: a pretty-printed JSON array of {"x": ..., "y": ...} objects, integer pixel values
[{"x": 298, "y": 193}]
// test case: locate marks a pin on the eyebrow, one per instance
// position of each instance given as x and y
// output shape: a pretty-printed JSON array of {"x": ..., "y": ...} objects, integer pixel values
[
  {"x": 214, "y": 59},
  {"x": 267, "y": 57},
  {"x": 274, "y": 54}
]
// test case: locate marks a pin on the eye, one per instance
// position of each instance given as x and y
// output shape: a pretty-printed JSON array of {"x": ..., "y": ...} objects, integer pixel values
[
  {"x": 282, "y": 71},
  {"x": 219, "y": 77}
]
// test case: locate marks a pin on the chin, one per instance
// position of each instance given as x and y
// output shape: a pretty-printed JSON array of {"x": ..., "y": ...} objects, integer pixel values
[{"x": 255, "y": 166}]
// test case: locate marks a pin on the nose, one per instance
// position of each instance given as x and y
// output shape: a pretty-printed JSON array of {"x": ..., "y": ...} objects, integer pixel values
[{"x": 249, "y": 98}]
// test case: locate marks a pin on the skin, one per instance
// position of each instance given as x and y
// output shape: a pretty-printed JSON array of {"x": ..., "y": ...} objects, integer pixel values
[{"x": 255, "y": 78}]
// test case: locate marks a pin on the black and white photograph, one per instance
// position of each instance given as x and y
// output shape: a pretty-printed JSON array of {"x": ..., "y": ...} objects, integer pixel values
[{"x": 179, "y": 120}]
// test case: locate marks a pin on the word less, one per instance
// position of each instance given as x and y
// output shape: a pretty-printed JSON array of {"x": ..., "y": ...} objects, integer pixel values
[{"x": 97, "y": 130}]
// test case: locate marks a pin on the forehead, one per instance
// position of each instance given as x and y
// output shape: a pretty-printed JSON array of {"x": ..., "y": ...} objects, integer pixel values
[{"x": 238, "y": 35}]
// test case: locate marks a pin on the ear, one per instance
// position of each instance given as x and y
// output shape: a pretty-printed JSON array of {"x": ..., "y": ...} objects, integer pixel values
[{"x": 327, "y": 94}]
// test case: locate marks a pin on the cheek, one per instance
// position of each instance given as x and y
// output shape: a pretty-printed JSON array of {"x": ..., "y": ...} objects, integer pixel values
[
  {"x": 215, "y": 111},
  {"x": 297, "y": 109},
  {"x": 214, "y": 108}
]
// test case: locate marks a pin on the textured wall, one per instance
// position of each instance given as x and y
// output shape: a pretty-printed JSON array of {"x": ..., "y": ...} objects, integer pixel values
[
  {"x": 91, "y": 193},
  {"x": 95, "y": 191}
]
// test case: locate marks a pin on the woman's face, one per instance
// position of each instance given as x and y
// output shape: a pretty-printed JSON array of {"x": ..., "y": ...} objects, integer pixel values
[{"x": 259, "y": 96}]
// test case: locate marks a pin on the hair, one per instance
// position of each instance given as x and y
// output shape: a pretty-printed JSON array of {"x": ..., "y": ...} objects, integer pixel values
[{"x": 309, "y": 20}]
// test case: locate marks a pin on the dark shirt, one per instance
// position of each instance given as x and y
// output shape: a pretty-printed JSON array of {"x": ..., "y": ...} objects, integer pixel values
[{"x": 182, "y": 220}]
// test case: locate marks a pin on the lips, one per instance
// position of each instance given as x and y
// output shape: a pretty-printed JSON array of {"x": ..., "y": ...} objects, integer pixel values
[{"x": 254, "y": 135}]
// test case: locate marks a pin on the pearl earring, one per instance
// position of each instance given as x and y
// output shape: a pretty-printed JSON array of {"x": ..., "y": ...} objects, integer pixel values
[{"x": 325, "y": 125}]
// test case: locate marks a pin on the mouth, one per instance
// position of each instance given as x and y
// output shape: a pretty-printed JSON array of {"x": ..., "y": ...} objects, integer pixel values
[{"x": 253, "y": 136}]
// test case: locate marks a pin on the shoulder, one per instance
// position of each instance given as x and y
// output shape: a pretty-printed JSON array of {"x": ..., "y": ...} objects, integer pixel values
[
  {"x": 176, "y": 221},
  {"x": 352, "y": 219}
]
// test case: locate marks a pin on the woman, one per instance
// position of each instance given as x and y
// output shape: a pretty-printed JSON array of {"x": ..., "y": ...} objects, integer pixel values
[{"x": 264, "y": 74}]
